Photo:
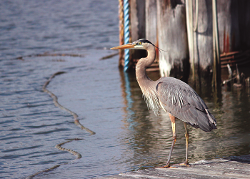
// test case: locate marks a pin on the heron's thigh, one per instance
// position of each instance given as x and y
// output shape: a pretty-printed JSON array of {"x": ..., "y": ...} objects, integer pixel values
[{"x": 172, "y": 118}]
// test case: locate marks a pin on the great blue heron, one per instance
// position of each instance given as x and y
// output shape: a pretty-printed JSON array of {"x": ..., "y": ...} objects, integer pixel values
[{"x": 172, "y": 95}]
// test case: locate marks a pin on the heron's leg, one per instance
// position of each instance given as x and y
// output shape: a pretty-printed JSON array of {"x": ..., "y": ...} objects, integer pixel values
[
  {"x": 172, "y": 118},
  {"x": 187, "y": 137}
]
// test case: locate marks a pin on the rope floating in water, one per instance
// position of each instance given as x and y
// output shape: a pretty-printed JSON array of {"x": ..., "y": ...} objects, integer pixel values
[
  {"x": 55, "y": 100},
  {"x": 59, "y": 146}
]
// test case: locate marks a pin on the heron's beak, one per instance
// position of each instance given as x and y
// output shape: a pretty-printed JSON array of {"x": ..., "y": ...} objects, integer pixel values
[{"x": 126, "y": 46}]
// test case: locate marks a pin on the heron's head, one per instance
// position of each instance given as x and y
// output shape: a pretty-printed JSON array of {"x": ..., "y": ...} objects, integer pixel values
[{"x": 138, "y": 44}]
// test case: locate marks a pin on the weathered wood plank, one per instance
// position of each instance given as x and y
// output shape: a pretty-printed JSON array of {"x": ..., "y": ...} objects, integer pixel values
[
  {"x": 151, "y": 21},
  {"x": 172, "y": 37},
  {"x": 137, "y": 13}
]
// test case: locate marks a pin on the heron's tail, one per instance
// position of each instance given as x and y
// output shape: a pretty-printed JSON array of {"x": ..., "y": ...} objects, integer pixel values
[
  {"x": 212, "y": 120},
  {"x": 205, "y": 121}
]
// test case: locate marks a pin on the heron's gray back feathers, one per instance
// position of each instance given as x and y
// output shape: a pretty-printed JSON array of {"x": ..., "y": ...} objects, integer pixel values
[{"x": 179, "y": 99}]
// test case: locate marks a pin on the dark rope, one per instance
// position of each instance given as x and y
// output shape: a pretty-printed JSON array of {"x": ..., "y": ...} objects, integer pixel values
[
  {"x": 47, "y": 170},
  {"x": 55, "y": 100},
  {"x": 59, "y": 146},
  {"x": 51, "y": 55},
  {"x": 109, "y": 56}
]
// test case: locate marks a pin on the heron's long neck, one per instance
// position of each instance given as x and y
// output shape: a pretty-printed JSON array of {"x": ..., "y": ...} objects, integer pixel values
[
  {"x": 142, "y": 64},
  {"x": 146, "y": 84}
]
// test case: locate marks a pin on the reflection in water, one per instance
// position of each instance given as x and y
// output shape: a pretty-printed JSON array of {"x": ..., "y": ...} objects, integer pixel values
[
  {"x": 149, "y": 137},
  {"x": 31, "y": 125},
  {"x": 127, "y": 93}
]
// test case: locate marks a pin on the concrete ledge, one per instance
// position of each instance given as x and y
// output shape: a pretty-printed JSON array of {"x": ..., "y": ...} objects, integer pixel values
[{"x": 233, "y": 167}]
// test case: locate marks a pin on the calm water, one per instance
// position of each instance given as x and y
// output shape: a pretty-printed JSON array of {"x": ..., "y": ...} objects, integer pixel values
[{"x": 33, "y": 37}]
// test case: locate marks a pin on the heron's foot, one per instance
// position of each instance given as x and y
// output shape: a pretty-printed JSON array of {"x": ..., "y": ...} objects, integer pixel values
[
  {"x": 166, "y": 166},
  {"x": 185, "y": 164}
]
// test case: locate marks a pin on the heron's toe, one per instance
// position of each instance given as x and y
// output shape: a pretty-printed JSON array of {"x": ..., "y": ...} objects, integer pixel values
[{"x": 185, "y": 164}]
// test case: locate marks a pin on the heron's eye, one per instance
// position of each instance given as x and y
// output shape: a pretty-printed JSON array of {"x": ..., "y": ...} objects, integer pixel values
[{"x": 138, "y": 43}]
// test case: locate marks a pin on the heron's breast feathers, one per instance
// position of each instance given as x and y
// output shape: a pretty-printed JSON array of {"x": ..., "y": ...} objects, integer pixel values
[{"x": 152, "y": 100}]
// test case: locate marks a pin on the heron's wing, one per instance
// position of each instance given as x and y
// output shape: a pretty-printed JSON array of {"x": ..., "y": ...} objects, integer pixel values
[{"x": 179, "y": 99}]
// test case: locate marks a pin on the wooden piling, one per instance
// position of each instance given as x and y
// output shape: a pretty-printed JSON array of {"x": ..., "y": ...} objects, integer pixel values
[
  {"x": 244, "y": 24},
  {"x": 137, "y": 27},
  {"x": 151, "y": 21},
  {"x": 234, "y": 36},
  {"x": 172, "y": 38},
  {"x": 151, "y": 29},
  {"x": 228, "y": 18},
  {"x": 200, "y": 37},
  {"x": 216, "y": 63},
  {"x": 192, "y": 33}
]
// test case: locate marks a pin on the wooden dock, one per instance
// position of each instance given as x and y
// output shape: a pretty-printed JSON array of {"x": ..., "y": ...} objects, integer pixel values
[{"x": 233, "y": 167}]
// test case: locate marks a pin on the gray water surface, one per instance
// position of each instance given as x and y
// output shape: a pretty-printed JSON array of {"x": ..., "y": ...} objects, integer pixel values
[{"x": 40, "y": 38}]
